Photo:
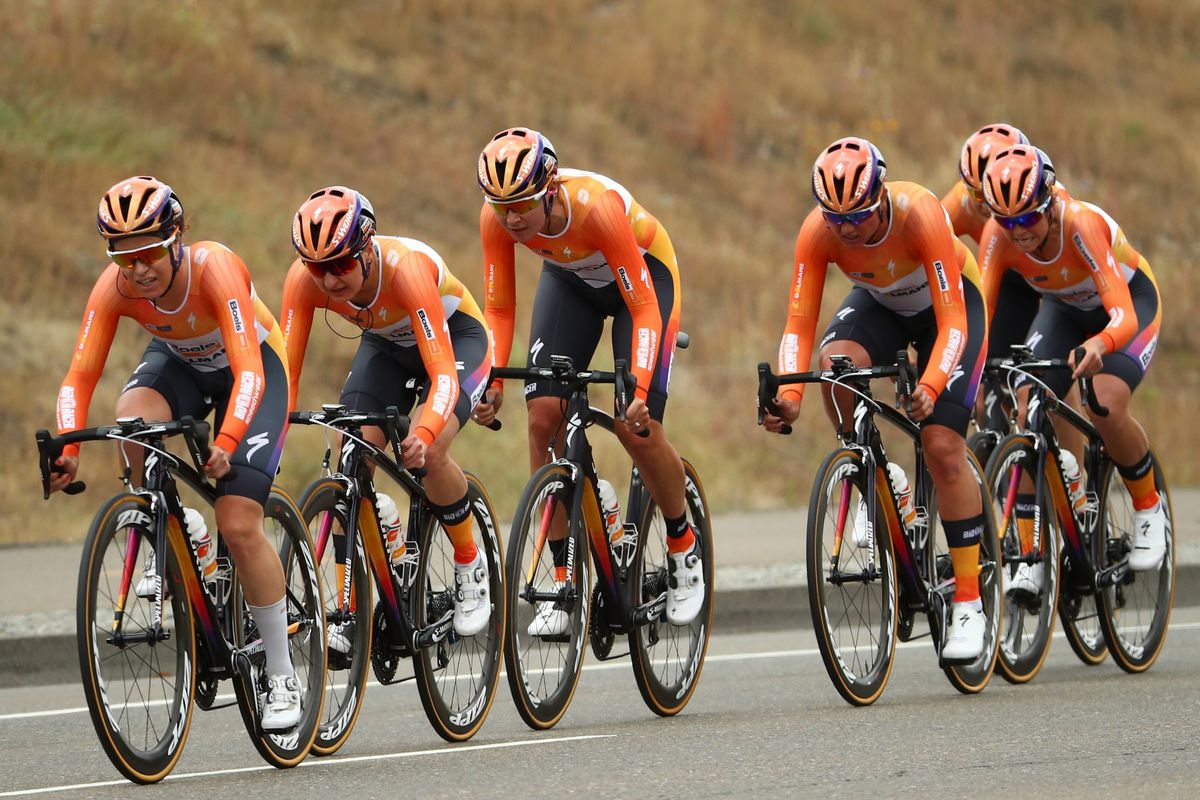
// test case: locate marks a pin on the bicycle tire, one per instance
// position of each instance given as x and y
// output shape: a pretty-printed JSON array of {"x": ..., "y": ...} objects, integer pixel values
[
  {"x": 285, "y": 530},
  {"x": 1136, "y": 612},
  {"x": 983, "y": 444},
  {"x": 855, "y": 621},
  {"x": 1080, "y": 616},
  {"x": 1028, "y": 624},
  {"x": 444, "y": 669},
  {"x": 345, "y": 676},
  {"x": 532, "y": 661},
  {"x": 974, "y": 677},
  {"x": 114, "y": 683},
  {"x": 667, "y": 659}
]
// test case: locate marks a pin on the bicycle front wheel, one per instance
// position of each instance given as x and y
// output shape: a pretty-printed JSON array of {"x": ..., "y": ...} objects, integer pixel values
[
  {"x": 140, "y": 682},
  {"x": 1134, "y": 613},
  {"x": 1028, "y": 618},
  {"x": 288, "y": 536},
  {"x": 544, "y": 638},
  {"x": 851, "y": 589},
  {"x": 667, "y": 658},
  {"x": 325, "y": 509},
  {"x": 457, "y": 676}
]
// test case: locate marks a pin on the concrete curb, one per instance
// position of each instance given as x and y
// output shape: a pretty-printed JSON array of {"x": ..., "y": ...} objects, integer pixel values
[{"x": 50, "y": 659}]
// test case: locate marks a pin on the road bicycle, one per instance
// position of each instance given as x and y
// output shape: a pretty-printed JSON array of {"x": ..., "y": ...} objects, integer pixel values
[
  {"x": 863, "y": 599},
  {"x": 560, "y": 511},
  {"x": 1083, "y": 551},
  {"x": 456, "y": 676},
  {"x": 146, "y": 663}
]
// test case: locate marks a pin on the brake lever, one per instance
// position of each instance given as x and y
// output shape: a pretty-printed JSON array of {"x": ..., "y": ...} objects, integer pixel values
[
  {"x": 1087, "y": 388},
  {"x": 905, "y": 382},
  {"x": 768, "y": 387}
]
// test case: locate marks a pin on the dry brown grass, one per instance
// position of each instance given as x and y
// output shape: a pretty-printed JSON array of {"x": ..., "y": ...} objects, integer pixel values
[{"x": 709, "y": 112}]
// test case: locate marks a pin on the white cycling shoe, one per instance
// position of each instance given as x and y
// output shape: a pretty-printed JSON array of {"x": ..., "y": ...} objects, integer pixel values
[
  {"x": 549, "y": 619},
  {"x": 145, "y": 586},
  {"x": 685, "y": 589},
  {"x": 340, "y": 637},
  {"x": 858, "y": 536},
  {"x": 964, "y": 641},
  {"x": 472, "y": 609},
  {"x": 1027, "y": 580},
  {"x": 1149, "y": 538},
  {"x": 281, "y": 706}
]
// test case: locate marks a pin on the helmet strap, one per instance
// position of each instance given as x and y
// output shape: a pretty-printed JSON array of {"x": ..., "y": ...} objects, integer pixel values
[{"x": 175, "y": 254}]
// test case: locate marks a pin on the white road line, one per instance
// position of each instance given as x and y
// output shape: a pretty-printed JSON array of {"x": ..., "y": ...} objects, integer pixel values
[
  {"x": 616, "y": 664},
  {"x": 324, "y": 762}
]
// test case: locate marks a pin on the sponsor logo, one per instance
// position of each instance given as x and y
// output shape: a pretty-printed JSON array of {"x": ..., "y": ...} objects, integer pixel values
[
  {"x": 246, "y": 403},
  {"x": 66, "y": 407},
  {"x": 940, "y": 271},
  {"x": 908, "y": 290},
  {"x": 426, "y": 328},
  {"x": 863, "y": 275},
  {"x": 647, "y": 344},
  {"x": 287, "y": 323},
  {"x": 953, "y": 351},
  {"x": 1148, "y": 353},
  {"x": 535, "y": 349},
  {"x": 257, "y": 442},
  {"x": 789, "y": 353},
  {"x": 1083, "y": 251},
  {"x": 1116, "y": 317},
  {"x": 442, "y": 395},
  {"x": 844, "y": 312},
  {"x": 625, "y": 283},
  {"x": 235, "y": 311},
  {"x": 87, "y": 327}
]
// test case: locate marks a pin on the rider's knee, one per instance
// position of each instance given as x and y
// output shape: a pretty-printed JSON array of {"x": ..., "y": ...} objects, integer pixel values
[{"x": 945, "y": 453}]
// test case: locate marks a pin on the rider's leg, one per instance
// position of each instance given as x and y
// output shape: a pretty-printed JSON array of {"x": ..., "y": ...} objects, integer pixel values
[
  {"x": 661, "y": 469},
  {"x": 959, "y": 504},
  {"x": 1126, "y": 440},
  {"x": 446, "y": 490}
]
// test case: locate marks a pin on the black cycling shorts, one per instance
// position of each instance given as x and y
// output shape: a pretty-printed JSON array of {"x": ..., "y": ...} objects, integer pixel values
[
  {"x": 568, "y": 320},
  {"x": 883, "y": 332},
  {"x": 195, "y": 393},
  {"x": 385, "y": 374},
  {"x": 1016, "y": 306}
]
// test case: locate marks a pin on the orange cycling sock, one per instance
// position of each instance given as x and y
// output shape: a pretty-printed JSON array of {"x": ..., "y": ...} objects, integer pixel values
[
  {"x": 963, "y": 537},
  {"x": 1023, "y": 512},
  {"x": 1139, "y": 479},
  {"x": 456, "y": 519},
  {"x": 680, "y": 536}
]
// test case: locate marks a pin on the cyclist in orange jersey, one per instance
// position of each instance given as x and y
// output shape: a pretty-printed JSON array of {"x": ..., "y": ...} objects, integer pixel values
[
  {"x": 214, "y": 346},
  {"x": 603, "y": 256},
  {"x": 914, "y": 283},
  {"x": 1098, "y": 292},
  {"x": 423, "y": 341}
]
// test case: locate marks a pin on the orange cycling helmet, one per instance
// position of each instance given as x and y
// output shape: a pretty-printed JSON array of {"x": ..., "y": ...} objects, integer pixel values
[
  {"x": 1019, "y": 180},
  {"x": 848, "y": 176},
  {"x": 979, "y": 148},
  {"x": 137, "y": 206},
  {"x": 518, "y": 163},
  {"x": 333, "y": 222}
]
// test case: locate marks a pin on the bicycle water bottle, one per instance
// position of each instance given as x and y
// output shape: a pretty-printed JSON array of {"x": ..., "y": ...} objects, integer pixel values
[
  {"x": 393, "y": 530},
  {"x": 202, "y": 545},
  {"x": 610, "y": 509},
  {"x": 1070, "y": 470},
  {"x": 903, "y": 492}
]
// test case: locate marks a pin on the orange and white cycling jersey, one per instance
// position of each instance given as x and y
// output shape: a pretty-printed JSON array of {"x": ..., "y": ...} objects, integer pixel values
[
  {"x": 918, "y": 251},
  {"x": 606, "y": 235},
  {"x": 414, "y": 285},
  {"x": 967, "y": 217},
  {"x": 219, "y": 325},
  {"x": 1093, "y": 267}
]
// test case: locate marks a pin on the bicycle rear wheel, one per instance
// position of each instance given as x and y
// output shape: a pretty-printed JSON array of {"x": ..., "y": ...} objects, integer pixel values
[
  {"x": 457, "y": 676},
  {"x": 325, "y": 510},
  {"x": 543, "y": 670},
  {"x": 1134, "y": 613},
  {"x": 1028, "y": 621},
  {"x": 853, "y": 608},
  {"x": 667, "y": 659},
  {"x": 972, "y": 678},
  {"x": 285, "y": 530},
  {"x": 139, "y": 692}
]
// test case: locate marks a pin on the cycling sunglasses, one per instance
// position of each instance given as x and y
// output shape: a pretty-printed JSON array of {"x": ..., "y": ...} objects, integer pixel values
[
  {"x": 519, "y": 207},
  {"x": 343, "y": 265},
  {"x": 1026, "y": 220},
  {"x": 150, "y": 254},
  {"x": 854, "y": 217}
]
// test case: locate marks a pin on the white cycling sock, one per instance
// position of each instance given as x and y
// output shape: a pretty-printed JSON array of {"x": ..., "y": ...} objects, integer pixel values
[{"x": 272, "y": 626}]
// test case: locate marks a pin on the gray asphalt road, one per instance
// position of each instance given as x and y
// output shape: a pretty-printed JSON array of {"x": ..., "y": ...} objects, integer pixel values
[{"x": 765, "y": 722}]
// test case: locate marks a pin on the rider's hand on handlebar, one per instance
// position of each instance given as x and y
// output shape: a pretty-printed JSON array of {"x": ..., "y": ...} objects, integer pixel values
[
  {"x": 488, "y": 407},
  {"x": 1092, "y": 361},
  {"x": 788, "y": 410},
  {"x": 637, "y": 416},
  {"x": 218, "y": 462},
  {"x": 412, "y": 452},
  {"x": 922, "y": 404},
  {"x": 63, "y": 472}
]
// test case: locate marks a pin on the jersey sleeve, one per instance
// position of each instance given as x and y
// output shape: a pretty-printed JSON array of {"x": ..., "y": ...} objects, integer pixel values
[
  {"x": 500, "y": 286},
  {"x": 607, "y": 227},
  {"x": 413, "y": 283},
  {"x": 1090, "y": 238},
  {"x": 92, "y": 345},
  {"x": 225, "y": 285},
  {"x": 933, "y": 242},
  {"x": 300, "y": 297},
  {"x": 960, "y": 216},
  {"x": 995, "y": 258},
  {"x": 811, "y": 263}
]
